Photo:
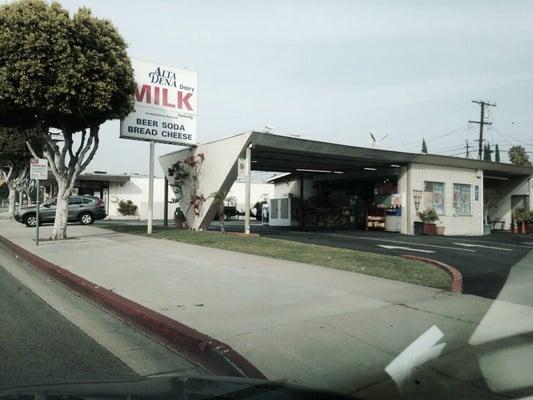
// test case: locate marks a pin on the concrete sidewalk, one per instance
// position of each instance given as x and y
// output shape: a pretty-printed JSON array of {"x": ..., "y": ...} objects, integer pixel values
[{"x": 302, "y": 323}]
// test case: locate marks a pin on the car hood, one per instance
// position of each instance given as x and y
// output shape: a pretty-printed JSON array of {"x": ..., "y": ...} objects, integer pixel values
[
  {"x": 169, "y": 386},
  {"x": 24, "y": 209}
]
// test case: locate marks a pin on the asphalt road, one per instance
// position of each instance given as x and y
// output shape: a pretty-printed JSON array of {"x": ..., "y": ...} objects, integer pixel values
[
  {"x": 38, "y": 345},
  {"x": 483, "y": 261}
]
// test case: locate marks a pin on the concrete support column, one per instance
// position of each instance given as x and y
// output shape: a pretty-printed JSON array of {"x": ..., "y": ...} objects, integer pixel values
[
  {"x": 530, "y": 191},
  {"x": 247, "y": 190},
  {"x": 481, "y": 200},
  {"x": 406, "y": 191},
  {"x": 165, "y": 209},
  {"x": 302, "y": 215}
]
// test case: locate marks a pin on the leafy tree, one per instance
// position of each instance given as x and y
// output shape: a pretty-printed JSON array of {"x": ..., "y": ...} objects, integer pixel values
[
  {"x": 15, "y": 159},
  {"x": 497, "y": 154},
  {"x": 66, "y": 72},
  {"x": 424, "y": 146},
  {"x": 518, "y": 156}
]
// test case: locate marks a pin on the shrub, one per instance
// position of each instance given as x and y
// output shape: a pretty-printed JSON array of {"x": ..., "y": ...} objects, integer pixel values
[
  {"x": 127, "y": 207},
  {"x": 428, "y": 216}
]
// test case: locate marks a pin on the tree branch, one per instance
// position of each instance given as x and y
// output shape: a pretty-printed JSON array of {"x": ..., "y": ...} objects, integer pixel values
[
  {"x": 48, "y": 153},
  {"x": 83, "y": 136},
  {"x": 93, "y": 134},
  {"x": 92, "y": 145},
  {"x": 67, "y": 146}
]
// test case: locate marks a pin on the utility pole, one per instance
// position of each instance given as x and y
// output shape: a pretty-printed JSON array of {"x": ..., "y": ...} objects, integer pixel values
[
  {"x": 467, "y": 149},
  {"x": 481, "y": 123}
]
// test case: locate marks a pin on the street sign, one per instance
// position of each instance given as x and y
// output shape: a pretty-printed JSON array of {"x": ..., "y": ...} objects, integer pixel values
[
  {"x": 166, "y": 100},
  {"x": 39, "y": 168}
]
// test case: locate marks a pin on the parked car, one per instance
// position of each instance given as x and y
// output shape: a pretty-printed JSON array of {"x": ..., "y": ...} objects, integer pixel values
[{"x": 83, "y": 209}]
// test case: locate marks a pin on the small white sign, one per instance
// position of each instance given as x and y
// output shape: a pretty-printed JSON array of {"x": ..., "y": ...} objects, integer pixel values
[
  {"x": 241, "y": 169},
  {"x": 166, "y": 102},
  {"x": 39, "y": 168}
]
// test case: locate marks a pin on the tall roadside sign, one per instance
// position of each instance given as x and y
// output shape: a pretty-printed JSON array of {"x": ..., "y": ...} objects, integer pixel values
[
  {"x": 38, "y": 171},
  {"x": 166, "y": 104}
]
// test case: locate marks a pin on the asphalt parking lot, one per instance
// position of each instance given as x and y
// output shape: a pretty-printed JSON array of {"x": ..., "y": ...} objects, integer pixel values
[{"x": 484, "y": 261}]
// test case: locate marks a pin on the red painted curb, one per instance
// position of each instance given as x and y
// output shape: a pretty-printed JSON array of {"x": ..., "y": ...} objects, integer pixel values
[
  {"x": 457, "y": 278},
  {"x": 215, "y": 356}
]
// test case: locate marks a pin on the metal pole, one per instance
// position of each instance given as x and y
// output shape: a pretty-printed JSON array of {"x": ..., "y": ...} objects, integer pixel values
[
  {"x": 247, "y": 190},
  {"x": 37, "y": 215},
  {"x": 151, "y": 188},
  {"x": 165, "y": 209},
  {"x": 302, "y": 216}
]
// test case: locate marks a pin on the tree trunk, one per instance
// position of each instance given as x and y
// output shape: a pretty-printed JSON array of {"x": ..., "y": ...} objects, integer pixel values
[
  {"x": 27, "y": 190},
  {"x": 20, "y": 199},
  {"x": 61, "y": 217},
  {"x": 12, "y": 200}
]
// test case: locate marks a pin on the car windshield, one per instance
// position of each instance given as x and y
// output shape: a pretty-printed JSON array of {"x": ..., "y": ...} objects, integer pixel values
[
  {"x": 50, "y": 203},
  {"x": 260, "y": 198}
]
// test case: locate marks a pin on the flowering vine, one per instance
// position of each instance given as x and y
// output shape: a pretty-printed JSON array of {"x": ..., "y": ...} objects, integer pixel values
[{"x": 187, "y": 172}]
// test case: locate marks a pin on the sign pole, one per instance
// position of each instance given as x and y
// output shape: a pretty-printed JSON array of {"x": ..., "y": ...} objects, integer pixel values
[
  {"x": 151, "y": 188},
  {"x": 38, "y": 171},
  {"x": 37, "y": 215}
]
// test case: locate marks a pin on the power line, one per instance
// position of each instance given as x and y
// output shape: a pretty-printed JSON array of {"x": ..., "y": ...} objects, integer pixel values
[
  {"x": 413, "y": 144},
  {"x": 481, "y": 123},
  {"x": 506, "y": 137}
]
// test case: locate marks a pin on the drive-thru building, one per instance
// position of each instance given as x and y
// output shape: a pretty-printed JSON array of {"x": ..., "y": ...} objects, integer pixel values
[{"x": 327, "y": 185}]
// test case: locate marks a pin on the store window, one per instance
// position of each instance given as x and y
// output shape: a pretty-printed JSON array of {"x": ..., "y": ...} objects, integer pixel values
[
  {"x": 462, "y": 199},
  {"x": 274, "y": 208},
  {"x": 434, "y": 196}
]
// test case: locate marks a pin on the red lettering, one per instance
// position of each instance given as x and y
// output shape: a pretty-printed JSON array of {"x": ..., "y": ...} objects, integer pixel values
[
  {"x": 156, "y": 95},
  {"x": 165, "y": 99},
  {"x": 184, "y": 100},
  {"x": 145, "y": 91}
]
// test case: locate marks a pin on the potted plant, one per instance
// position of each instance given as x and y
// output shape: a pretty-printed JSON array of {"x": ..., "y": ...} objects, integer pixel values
[
  {"x": 429, "y": 217},
  {"x": 521, "y": 217}
]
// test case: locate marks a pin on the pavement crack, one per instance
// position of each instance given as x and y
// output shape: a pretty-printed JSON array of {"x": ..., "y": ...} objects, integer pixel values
[{"x": 437, "y": 314}]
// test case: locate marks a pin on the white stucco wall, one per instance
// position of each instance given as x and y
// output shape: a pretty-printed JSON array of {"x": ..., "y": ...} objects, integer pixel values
[
  {"x": 258, "y": 191},
  {"x": 454, "y": 224},
  {"x": 136, "y": 190},
  {"x": 292, "y": 186}
]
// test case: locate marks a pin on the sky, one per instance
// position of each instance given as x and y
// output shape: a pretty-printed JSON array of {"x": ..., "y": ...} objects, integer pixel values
[{"x": 336, "y": 70}]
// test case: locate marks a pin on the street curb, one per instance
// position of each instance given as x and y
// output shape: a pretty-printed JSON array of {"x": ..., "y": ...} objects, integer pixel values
[
  {"x": 457, "y": 278},
  {"x": 215, "y": 356}
]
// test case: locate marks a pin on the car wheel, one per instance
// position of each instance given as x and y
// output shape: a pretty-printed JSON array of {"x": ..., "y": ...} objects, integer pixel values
[
  {"x": 30, "y": 220},
  {"x": 86, "y": 218}
]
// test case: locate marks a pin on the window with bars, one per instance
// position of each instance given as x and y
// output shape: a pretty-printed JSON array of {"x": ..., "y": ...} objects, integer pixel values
[
  {"x": 434, "y": 196},
  {"x": 462, "y": 199}
]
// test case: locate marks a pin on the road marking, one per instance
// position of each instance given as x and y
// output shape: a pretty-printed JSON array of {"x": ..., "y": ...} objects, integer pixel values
[
  {"x": 399, "y": 242},
  {"x": 421, "y": 351},
  {"x": 483, "y": 246},
  {"x": 404, "y": 248}
]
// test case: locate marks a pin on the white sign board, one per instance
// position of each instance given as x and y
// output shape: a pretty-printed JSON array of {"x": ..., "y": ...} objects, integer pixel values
[
  {"x": 166, "y": 100},
  {"x": 39, "y": 168}
]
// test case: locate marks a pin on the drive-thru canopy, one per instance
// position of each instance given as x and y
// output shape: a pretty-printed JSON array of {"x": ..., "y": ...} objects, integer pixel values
[{"x": 451, "y": 185}]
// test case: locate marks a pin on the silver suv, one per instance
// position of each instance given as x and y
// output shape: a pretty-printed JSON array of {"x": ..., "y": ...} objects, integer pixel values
[{"x": 83, "y": 209}]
